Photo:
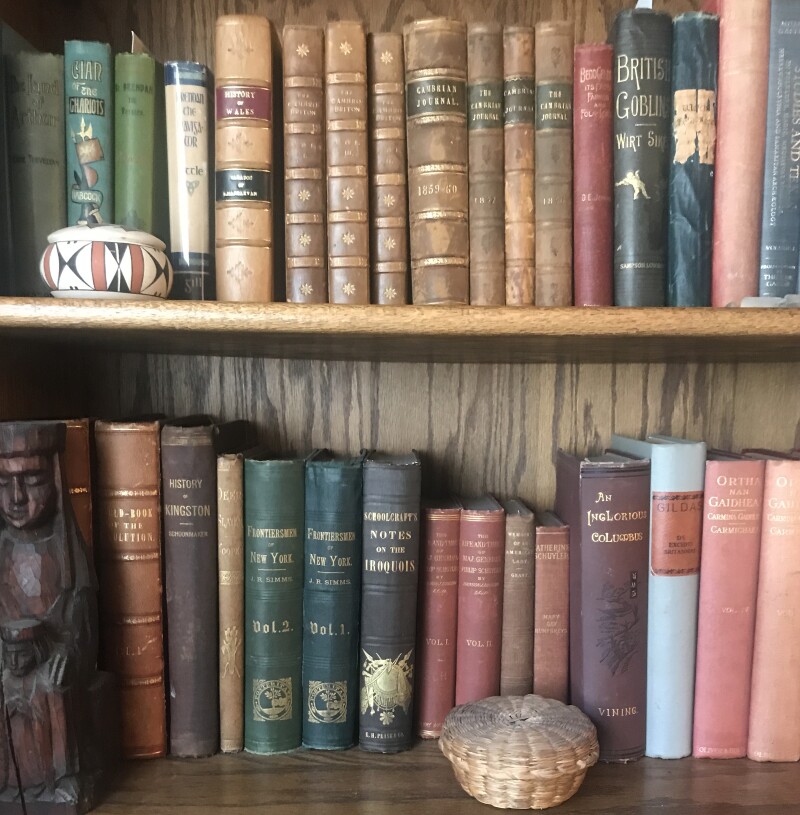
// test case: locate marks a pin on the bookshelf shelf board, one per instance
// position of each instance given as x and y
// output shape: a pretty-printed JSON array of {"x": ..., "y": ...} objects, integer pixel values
[{"x": 414, "y": 334}]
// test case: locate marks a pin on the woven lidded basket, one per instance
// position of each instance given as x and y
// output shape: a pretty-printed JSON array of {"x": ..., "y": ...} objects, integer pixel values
[{"x": 519, "y": 752}]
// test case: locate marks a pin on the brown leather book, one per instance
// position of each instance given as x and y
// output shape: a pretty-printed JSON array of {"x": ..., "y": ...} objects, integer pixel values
[
  {"x": 554, "y": 55},
  {"x": 436, "y": 122},
  {"x": 516, "y": 663},
  {"x": 487, "y": 273},
  {"x": 305, "y": 196},
  {"x": 480, "y": 599},
  {"x": 519, "y": 119},
  {"x": 78, "y": 467},
  {"x": 437, "y": 616},
  {"x": 387, "y": 164},
  {"x": 347, "y": 148},
  {"x": 128, "y": 557},
  {"x": 551, "y": 609},
  {"x": 243, "y": 86}
]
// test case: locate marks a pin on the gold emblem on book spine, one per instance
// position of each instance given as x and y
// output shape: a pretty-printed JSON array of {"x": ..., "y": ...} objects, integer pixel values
[
  {"x": 228, "y": 651},
  {"x": 272, "y": 699},
  {"x": 327, "y": 702},
  {"x": 387, "y": 685}
]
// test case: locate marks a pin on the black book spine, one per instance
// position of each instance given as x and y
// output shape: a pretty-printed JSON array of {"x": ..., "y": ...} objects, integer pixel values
[
  {"x": 695, "y": 59},
  {"x": 642, "y": 113}
]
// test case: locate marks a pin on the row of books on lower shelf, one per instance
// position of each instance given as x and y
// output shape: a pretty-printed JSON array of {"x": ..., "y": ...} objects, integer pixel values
[{"x": 661, "y": 597}]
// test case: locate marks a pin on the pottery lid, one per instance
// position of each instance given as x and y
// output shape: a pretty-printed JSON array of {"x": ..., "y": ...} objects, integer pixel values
[{"x": 108, "y": 233}]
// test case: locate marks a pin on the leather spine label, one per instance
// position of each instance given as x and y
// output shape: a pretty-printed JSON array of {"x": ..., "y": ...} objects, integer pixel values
[
  {"x": 677, "y": 525},
  {"x": 554, "y": 106},
  {"x": 244, "y": 102},
  {"x": 519, "y": 101},
  {"x": 485, "y": 105},
  {"x": 244, "y": 185},
  {"x": 435, "y": 96}
]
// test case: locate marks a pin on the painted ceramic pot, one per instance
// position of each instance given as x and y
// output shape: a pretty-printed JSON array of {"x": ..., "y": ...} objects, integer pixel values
[{"x": 106, "y": 261}]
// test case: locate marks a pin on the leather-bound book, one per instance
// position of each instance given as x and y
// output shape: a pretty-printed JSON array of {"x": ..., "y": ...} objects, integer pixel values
[
  {"x": 695, "y": 58},
  {"x": 487, "y": 277},
  {"x": 551, "y": 609},
  {"x": 734, "y": 492},
  {"x": 437, "y": 616},
  {"x": 774, "y": 732},
  {"x": 516, "y": 660},
  {"x": 606, "y": 502},
  {"x": 78, "y": 466},
  {"x": 642, "y": 124},
  {"x": 273, "y": 601},
  {"x": 128, "y": 558},
  {"x": 389, "y": 569},
  {"x": 438, "y": 194},
  {"x": 347, "y": 162},
  {"x": 480, "y": 599},
  {"x": 304, "y": 164},
  {"x": 741, "y": 139},
  {"x": 593, "y": 185},
  {"x": 519, "y": 122},
  {"x": 388, "y": 168},
  {"x": 331, "y": 601},
  {"x": 554, "y": 63},
  {"x": 243, "y": 179}
]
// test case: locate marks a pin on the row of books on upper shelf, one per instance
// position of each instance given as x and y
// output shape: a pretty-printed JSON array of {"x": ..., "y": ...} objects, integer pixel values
[
  {"x": 319, "y": 600},
  {"x": 449, "y": 155}
]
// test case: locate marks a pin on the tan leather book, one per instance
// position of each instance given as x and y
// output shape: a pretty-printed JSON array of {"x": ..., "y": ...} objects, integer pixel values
[
  {"x": 436, "y": 123},
  {"x": 553, "y": 185},
  {"x": 243, "y": 90},
  {"x": 519, "y": 117},
  {"x": 487, "y": 272},
  {"x": 128, "y": 556},
  {"x": 347, "y": 148},
  {"x": 387, "y": 160},
  {"x": 78, "y": 471},
  {"x": 305, "y": 195}
]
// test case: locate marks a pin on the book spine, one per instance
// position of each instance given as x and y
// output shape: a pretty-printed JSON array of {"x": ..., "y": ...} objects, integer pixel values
[
  {"x": 388, "y": 606},
  {"x": 780, "y": 224},
  {"x": 519, "y": 123},
  {"x": 487, "y": 283},
  {"x": 593, "y": 199},
  {"x": 243, "y": 177},
  {"x": 186, "y": 91},
  {"x": 273, "y": 599},
  {"x": 734, "y": 492},
  {"x": 642, "y": 116},
  {"x": 741, "y": 140},
  {"x": 230, "y": 580},
  {"x": 438, "y": 150},
  {"x": 347, "y": 161},
  {"x": 516, "y": 661},
  {"x": 695, "y": 59},
  {"x": 34, "y": 116},
  {"x": 551, "y": 614},
  {"x": 388, "y": 166},
  {"x": 437, "y": 620},
  {"x": 134, "y": 122},
  {"x": 128, "y": 557},
  {"x": 78, "y": 468},
  {"x": 553, "y": 184},
  {"x": 89, "y": 123},
  {"x": 774, "y": 732},
  {"x": 480, "y": 605},
  {"x": 304, "y": 164}
]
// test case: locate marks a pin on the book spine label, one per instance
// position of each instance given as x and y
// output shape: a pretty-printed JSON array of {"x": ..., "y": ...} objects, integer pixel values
[
  {"x": 695, "y": 58},
  {"x": 331, "y": 600},
  {"x": 186, "y": 90},
  {"x": 305, "y": 196},
  {"x": 436, "y": 629},
  {"x": 554, "y": 62},
  {"x": 487, "y": 283},
  {"x": 89, "y": 120},
  {"x": 642, "y": 116},
  {"x": 734, "y": 492},
  {"x": 388, "y": 165},
  {"x": 593, "y": 199},
  {"x": 519, "y": 122},
  {"x": 438, "y": 191},
  {"x": 78, "y": 466},
  {"x": 347, "y": 148},
  {"x": 188, "y": 477},
  {"x": 273, "y": 597},
  {"x": 741, "y": 140},
  {"x": 243, "y": 222}
]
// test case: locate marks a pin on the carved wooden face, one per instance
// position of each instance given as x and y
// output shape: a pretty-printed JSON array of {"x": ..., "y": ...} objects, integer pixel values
[
  {"x": 20, "y": 657},
  {"x": 27, "y": 490}
]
